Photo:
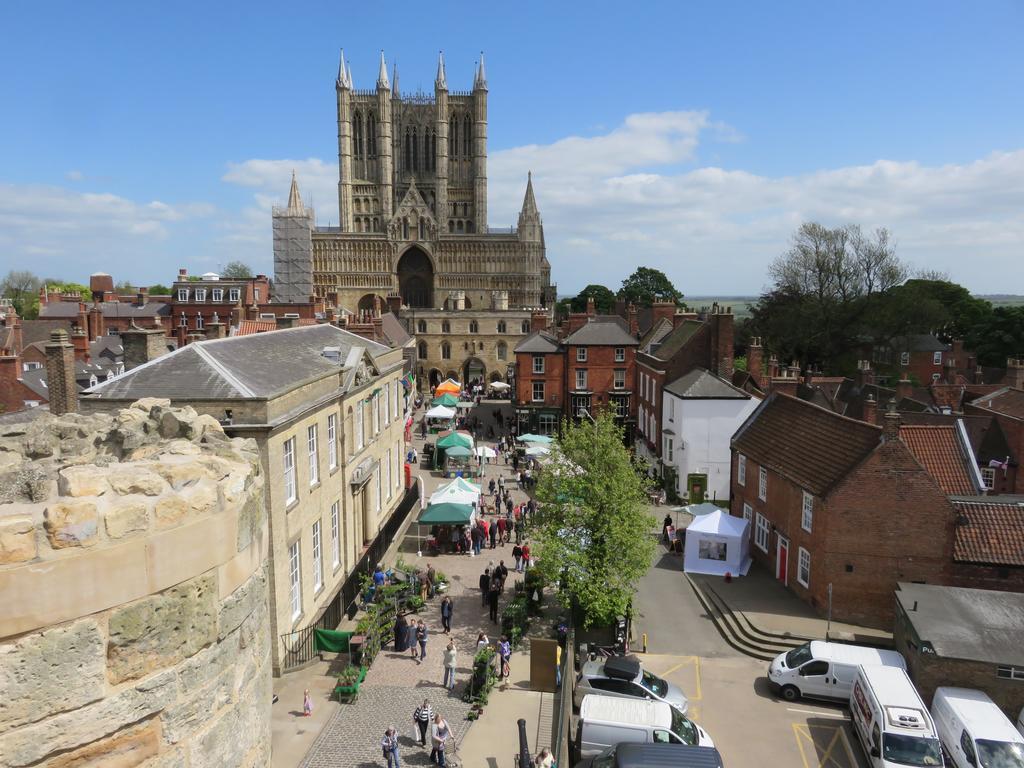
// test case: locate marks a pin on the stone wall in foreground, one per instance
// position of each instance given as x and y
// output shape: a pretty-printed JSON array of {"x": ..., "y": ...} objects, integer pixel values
[{"x": 133, "y": 592}]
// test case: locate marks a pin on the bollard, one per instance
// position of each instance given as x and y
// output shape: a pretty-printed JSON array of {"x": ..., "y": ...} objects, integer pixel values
[
  {"x": 524, "y": 747},
  {"x": 645, "y": 642}
]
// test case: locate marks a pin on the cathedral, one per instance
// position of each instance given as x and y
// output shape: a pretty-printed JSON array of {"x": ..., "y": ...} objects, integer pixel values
[{"x": 412, "y": 211}]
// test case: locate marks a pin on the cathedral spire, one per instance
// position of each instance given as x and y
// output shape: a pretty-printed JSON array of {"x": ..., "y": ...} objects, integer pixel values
[
  {"x": 441, "y": 81},
  {"x": 382, "y": 74},
  {"x": 394, "y": 79},
  {"x": 295, "y": 206},
  {"x": 480, "y": 81},
  {"x": 529, "y": 201},
  {"x": 344, "y": 72}
]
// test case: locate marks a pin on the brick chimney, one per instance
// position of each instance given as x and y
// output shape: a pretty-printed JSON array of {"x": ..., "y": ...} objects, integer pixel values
[
  {"x": 97, "y": 325},
  {"x": 180, "y": 332},
  {"x": 144, "y": 344},
  {"x": 286, "y": 322},
  {"x": 81, "y": 344},
  {"x": 376, "y": 305},
  {"x": 662, "y": 310},
  {"x": 182, "y": 275},
  {"x": 591, "y": 311},
  {"x": 395, "y": 303},
  {"x": 215, "y": 329},
  {"x": 141, "y": 295},
  {"x": 634, "y": 323},
  {"x": 870, "y": 410},
  {"x": 12, "y": 321},
  {"x": 904, "y": 387},
  {"x": 1015, "y": 372},
  {"x": 809, "y": 376},
  {"x": 755, "y": 361},
  {"x": 773, "y": 368},
  {"x": 60, "y": 374},
  {"x": 786, "y": 381},
  {"x": 620, "y": 308},
  {"x": 890, "y": 423},
  {"x": 949, "y": 372},
  {"x": 538, "y": 320},
  {"x": 721, "y": 362},
  {"x": 865, "y": 375},
  {"x": 252, "y": 312}
]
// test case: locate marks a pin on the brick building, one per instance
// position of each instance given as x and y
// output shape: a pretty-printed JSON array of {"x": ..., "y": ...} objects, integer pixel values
[
  {"x": 1007, "y": 406},
  {"x": 836, "y": 501},
  {"x": 590, "y": 369},
  {"x": 988, "y": 549},
  {"x": 969, "y": 638},
  {"x": 675, "y": 345},
  {"x": 107, "y": 312}
]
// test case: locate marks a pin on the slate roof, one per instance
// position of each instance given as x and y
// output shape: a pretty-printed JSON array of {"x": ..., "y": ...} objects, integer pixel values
[
  {"x": 699, "y": 384},
  {"x": 918, "y": 342},
  {"x": 938, "y": 448},
  {"x": 677, "y": 339},
  {"x": 991, "y": 530},
  {"x": 538, "y": 342},
  {"x": 809, "y": 445},
  {"x": 1008, "y": 401},
  {"x": 111, "y": 309},
  {"x": 39, "y": 330},
  {"x": 972, "y": 624},
  {"x": 603, "y": 331},
  {"x": 261, "y": 365},
  {"x": 394, "y": 330},
  {"x": 656, "y": 333}
]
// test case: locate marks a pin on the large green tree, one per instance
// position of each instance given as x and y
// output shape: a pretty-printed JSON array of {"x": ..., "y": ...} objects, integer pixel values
[
  {"x": 604, "y": 299},
  {"x": 236, "y": 270},
  {"x": 159, "y": 290},
  {"x": 646, "y": 285},
  {"x": 592, "y": 532},
  {"x": 997, "y": 336},
  {"x": 22, "y": 287}
]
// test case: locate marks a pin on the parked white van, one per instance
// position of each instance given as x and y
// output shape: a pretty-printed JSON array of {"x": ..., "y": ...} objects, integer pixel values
[
  {"x": 974, "y": 731},
  {"x": 891, "y": 721},
  {"x": 609, "y": 720},
  {"x": 823, "y": 670}
]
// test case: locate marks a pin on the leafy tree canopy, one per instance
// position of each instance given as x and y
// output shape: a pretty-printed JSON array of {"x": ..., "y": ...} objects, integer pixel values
[
  {"x": 159, "y": 290},
  {"x": 997, "y": 336},
  {"x": 592, "y": 531},
  {"x": 604, "y": 299},
  {"x": 646, "y": 285},
  {"x": 236, "y": 270},
  {"x": 22, "y": 288}
]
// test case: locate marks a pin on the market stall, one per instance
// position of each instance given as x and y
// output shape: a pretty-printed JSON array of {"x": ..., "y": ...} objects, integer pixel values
[
  {"x": 447, "y": 522},
  {"x": 439, "y": 418},
  {"x": 448, "y": 386},
  {"x": 447, "y": 440},
  {"x": 717, "y": 543}
]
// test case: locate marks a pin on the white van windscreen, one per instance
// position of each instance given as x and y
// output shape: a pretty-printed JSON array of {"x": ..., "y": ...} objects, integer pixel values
[
  {"x": 911, "y": 750},
  {"x": 1000, "y": 754}
]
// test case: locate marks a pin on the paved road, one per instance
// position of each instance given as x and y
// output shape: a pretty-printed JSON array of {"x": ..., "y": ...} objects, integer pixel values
[{"x": 667, "y": 610}]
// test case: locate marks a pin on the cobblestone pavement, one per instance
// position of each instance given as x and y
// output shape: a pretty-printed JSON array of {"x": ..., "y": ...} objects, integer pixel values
[{"x": 396, "y": 684}]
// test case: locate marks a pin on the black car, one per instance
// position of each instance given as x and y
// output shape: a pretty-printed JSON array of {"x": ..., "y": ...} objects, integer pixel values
[{"x": 655, "y": 756}]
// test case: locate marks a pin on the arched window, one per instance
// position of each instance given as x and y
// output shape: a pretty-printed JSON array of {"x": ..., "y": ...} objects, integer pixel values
[
  {"x": 446, "y": 350},
  {"x": 408, "y": 150},
  {"x": 415, "y": 151},
  {"x": 422, "y": 350},
  {"x": 446, "y": 327},
  {"x": 371, "y": 134},
  {"x": 421, "y": 326},
  {"x": 357, "y": 132},
  {"x": 467, "y": 138},
  {"x": 199, "y": 322},
  {"x": 423, "y": 229},
  {"x": 359, "y": 205},
  {"x": 469, "y": 226},
  {"x": 458, "y": 226},
  {"x": 474, "y": 326},
  {"x": 451, "y": 225},
  {"x": 453, "y": 136},
  {"x": 502, "y": 350},
  {"x": 526, "y": 326},
  {"x": 405, "y": 229},
  {"x": 376, "y": 224},
  {"x": 502, "y": 327}
]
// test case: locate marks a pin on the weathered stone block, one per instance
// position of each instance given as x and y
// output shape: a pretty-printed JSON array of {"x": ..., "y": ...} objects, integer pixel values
[
  {"x": 48, "y": 672},
  {"x": 162, "y": 630},
  {"x": 126, "y": 518},
  {"x": 183, "y": 448},
  {"x": 131, "y": 479},
  {"x": 82, "y": 481},
  {"x": 17, "y": 539},
  {"x": 147, "y": 404},
  {"x": 206, "y": 424},
  {"x": 241, "y": 603},
  {"x": 71, "y": 524},
  {"x": 249, "y": 521},
  {"x": 169, "y": 425},
  {"x": 170, "y": 511},
  {"x": 179, "y": 473},
  {"x": 201, "y": 498},
  {"x": 126, "y": 748}
]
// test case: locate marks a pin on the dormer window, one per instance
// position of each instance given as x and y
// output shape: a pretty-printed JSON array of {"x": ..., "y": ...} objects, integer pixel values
[
  {"x": 218, "y": 294},
  {"x": 200, "y": 294},
  {"x": 234, "y": 294},
  {"x": 183, "y": 294}
]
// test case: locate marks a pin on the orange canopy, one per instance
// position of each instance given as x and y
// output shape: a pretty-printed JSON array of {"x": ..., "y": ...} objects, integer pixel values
[{"x": 448, "y": 386}]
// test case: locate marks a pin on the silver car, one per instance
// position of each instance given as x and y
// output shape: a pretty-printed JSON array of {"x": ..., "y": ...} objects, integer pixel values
[{"x": 624, "y": 676}]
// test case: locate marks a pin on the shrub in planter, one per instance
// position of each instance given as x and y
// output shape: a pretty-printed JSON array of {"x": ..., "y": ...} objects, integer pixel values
[
  {"x": 349, "y": 676},
  {"x": 414, "y": 603}
]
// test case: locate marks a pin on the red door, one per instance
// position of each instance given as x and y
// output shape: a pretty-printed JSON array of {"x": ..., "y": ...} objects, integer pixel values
[{"x": 782, "y": 560}]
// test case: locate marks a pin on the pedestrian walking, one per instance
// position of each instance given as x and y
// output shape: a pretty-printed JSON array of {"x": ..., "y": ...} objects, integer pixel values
[
  {"x": 431, "y": 578},
  {"x": 410, "y": 638},
  {"x": 502, "y": 572},
  {"x": 446, "y": 614},
  {"x": 526, "y": 556},
  {"x": 389, "y": 745},
  {"x": 505, "y": 654},
  {"x": 307, "y": 704},
  {"x": 517, "y": 553},
  {"x": 401, "y": 633},
  {"x": 494, "y": 532},
  {"x": 485, "y": 584},
  {"x": 439, "y": 735},
  {"x": 421, "y": 638},
  {"x": 492, "y": 596},
  {"x": 450, "y": 656},
  {"x": 422, "y": 717},
  {"x": 519, "y": 531},
  {"x": 502, "y": 523}
]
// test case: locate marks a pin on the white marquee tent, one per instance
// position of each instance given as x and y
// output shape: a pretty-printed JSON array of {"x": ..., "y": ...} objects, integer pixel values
[{"x": 717, "y": 543}]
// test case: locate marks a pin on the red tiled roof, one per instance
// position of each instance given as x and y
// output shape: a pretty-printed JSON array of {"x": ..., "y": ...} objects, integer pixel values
[
  {"x": 811, "y": 446},
  {"x": 990, "y": 532},
  {"x": 1009, "y": 402},
  {"x": 938, "y": 449},
  {"x": 247, "y": 327}
]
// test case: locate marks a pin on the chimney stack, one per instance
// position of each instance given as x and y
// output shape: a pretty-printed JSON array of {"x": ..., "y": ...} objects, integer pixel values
[
  {"x": 142, "y": 345},
  {"x": 60, "y": 374},
  {"x": 870, "y": 410},
  {"x": 286, "y": 322},
  {"x": 721, "y": 342},
  {"x": 1015, "y": 372},
  {"x": 891, "y": 423},
  {"x": 591, "y": 311},
  {"x": 215, "y": 329},
  {"x": 81, "y": 344},
  {"x": 634, "y": 323},
  {"x": 538, "y": 320},
  {"x": 904, "y": 387},
  {"x": 865, "y": 376},
  {"x": 376, "y": 305},
  {"x": 755, "y": 361},
  {"x": 395, "y": 303}
]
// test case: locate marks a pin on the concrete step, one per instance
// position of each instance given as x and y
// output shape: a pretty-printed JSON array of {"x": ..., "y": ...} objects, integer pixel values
[
  {"x": 786, "y": 638},
  {"x": 770, "y": 644},
  {"x": 724, "y": 624}
]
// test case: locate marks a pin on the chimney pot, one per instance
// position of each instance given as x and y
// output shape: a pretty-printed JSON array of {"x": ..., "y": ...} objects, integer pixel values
[{"x": 60, "y": 374}]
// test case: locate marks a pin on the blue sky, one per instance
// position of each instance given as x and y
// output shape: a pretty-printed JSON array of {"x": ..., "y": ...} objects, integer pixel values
[{"x": 694, "y": 137}]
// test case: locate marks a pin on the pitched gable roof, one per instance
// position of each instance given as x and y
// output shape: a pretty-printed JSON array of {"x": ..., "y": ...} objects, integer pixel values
[
  {"x": 1008, "y": 402},
  {"x": 260, "y": 365},
  {"x": 990, "y": 530},
  {"x": 943, "y": 454},
  {"x": 538, "y": 342},
  {"x": 807, "y": 444},
  {"x": 700, "y": 384},
  {"x": 676, "y": 339},
  {"x": 603, "y": 330}
]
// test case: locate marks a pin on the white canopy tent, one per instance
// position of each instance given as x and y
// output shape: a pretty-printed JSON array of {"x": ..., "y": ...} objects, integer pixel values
[
  {"x": 459, "y": 491},
  {"x": 440, "y": 412},
  {"x": 717, "y": 543}
]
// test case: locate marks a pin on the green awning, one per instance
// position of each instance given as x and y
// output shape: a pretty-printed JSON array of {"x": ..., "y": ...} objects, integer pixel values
[
  {"x": 446, "y": 513},
  {"x": 455, "y": 439},
  {"x": 448, "y": 400},
  {"x": 528, "y": 438},
  {"x": 458, "y": 451},
  {"x": 331, "y": 640}
]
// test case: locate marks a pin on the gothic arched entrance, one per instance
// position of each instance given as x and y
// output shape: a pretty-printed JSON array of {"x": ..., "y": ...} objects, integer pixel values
[
  {"x": 435, "y": 379},
  {"x": 474, "y": 371},
  {"x": 416, "y": 278},
  {"x": 367, "y": 301}
]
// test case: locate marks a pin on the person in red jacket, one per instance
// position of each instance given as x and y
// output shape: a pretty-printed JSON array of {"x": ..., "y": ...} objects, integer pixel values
[
  {"x": 501, "y": 530},
  {"x": 526, "y": 555}
]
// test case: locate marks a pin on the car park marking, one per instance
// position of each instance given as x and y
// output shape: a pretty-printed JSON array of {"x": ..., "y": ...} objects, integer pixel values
[
  {"x": 687, "y": 660},
  {"x": 820, "y": 713},
  {"x": 826, "y": 744}
]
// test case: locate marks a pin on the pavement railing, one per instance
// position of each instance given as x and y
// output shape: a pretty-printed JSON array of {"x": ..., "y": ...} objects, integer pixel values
[{"x": 563, "y": 702}]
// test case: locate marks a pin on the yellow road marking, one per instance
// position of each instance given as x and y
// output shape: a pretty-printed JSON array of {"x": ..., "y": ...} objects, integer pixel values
[
  {"x": 802, "y": 731},
  {"x": 687, "y": 660}
]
